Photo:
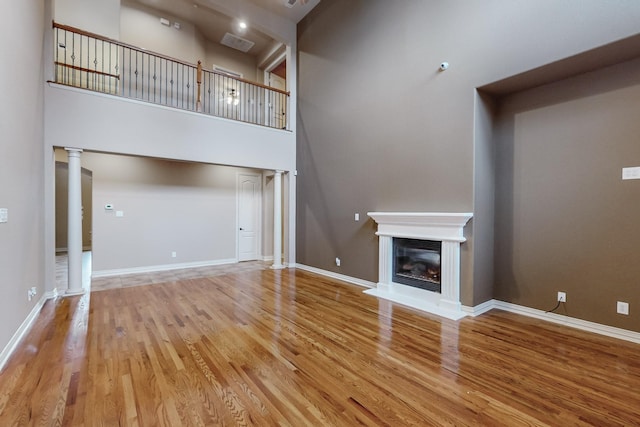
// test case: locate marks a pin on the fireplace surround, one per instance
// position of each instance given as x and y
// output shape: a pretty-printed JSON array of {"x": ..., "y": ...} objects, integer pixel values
[{"x": 446, "y": 228}]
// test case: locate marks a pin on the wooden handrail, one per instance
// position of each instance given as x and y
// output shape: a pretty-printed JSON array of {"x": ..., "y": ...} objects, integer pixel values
[
  {"x": 159, "y": 55},
  {"x": 199, "y": 81},
  {"x": 88, "y": 70}
]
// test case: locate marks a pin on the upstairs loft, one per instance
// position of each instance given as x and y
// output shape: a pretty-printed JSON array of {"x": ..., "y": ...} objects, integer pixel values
[
  {"x": 96, "y": 63},
  {"x": 107, "y": 96}
]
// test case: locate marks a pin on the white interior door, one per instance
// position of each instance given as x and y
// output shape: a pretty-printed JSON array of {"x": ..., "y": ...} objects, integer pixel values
[{"x": 249, "y": 209}]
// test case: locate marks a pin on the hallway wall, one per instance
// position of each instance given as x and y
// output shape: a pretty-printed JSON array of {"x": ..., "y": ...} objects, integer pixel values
[
  {"x": 167, "y": 206},
  {"x": 22, "y": 264}
]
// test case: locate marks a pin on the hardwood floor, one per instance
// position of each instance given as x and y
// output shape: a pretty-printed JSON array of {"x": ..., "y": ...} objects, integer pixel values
[{"x": 287, "y": 347}]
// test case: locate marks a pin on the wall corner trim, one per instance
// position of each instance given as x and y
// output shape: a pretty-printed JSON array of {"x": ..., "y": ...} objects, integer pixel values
[{"x": 480, "y": 308}]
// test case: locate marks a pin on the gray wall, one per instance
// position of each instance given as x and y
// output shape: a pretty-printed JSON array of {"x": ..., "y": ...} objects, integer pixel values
[
  {"x": 381, "y": 129},
  {"x": 479, "y": 251},
  {"x": 565, "y": 220},
  {"x": 21, "y": 164}
]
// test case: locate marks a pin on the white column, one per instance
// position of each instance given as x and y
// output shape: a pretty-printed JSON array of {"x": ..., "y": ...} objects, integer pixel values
[
  {"x": 450, "y": 275},
  {"x": 277, "y": 220},
  {"x": 385, "y": 262},
  {"x": 74, "y": 223}
]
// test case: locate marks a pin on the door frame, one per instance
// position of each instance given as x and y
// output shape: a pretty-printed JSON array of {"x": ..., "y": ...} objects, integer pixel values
[
  {"x": 281, "y": 57},
  {"x": 258, "y": 213}
]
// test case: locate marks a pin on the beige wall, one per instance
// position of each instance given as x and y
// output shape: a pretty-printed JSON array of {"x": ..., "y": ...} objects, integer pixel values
[
  {"x": 140, "y": 26},
  {"x": 189, "y": 208},
  {"x": 97, "y": 16},
  {"x": 230, "y": 59},
  {"x": 21, "y": 165},
  {"x": 62, "y": 203},
  {"x": 381, "y": 129},
  {"x": 565, "y": 220}
]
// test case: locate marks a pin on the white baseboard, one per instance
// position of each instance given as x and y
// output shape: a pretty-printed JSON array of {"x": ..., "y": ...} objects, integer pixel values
[
  {"x": 333, "y": 275},
  {"x": 486, "y": 306},
  {"x": 572, "y": 322},
  {"x": 24, "y": 328},
  {"x": 166, "y": 267},
  {"x": 267, "y": 258},
  {"x": 65, "y": 250},
  {"x": 479, "y": 309}
]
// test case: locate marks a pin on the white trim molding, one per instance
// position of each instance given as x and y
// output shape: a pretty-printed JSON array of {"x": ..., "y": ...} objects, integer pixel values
[
  {"x": 166, "y": 267},
  {"x": 446, "y": 228},
  {"x": 337, "y": 276},
  {"x": 479, "y": 309},
  {"x": 572, "y": 322},
  {"x": 487, "y": 306},
  {"x": 24, "y": 328}
]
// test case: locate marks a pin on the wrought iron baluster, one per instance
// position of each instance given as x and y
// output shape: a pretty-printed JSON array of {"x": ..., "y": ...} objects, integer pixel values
[
  {"x": 130, "y": 78},
  {"x": 154, "y": 80},
  {"x": 142, "y": 74}
]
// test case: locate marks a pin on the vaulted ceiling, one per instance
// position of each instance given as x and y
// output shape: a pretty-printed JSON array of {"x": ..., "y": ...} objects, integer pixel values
[{"x": 209, "y": 19}]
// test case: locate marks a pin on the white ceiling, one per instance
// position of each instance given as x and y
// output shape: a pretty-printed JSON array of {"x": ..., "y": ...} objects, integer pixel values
[{"x": 213, "y": 24}]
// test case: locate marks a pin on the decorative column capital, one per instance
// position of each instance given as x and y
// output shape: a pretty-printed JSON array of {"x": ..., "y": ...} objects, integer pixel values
[{"x": 73, "y": 151}]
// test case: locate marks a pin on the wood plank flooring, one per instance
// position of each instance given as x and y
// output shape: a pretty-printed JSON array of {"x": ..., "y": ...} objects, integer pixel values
[{"x": 290, "y": 348}]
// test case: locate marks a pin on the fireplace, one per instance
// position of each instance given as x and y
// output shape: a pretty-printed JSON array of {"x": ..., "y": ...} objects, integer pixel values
[
  {"x": 417, "y": 263},
  {"x": 419, "y": 260}
]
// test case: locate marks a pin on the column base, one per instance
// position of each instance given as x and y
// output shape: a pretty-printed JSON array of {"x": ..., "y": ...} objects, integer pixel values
[
  {"x": 73, "y": 292},
  {"x": 277, "y": 266}
]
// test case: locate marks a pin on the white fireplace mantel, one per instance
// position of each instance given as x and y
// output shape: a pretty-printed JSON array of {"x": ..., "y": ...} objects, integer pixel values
[{"x": 437, "y": 226}]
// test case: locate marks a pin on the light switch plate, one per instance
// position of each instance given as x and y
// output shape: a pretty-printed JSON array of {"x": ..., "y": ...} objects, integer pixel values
[
  {"x": 119, "y": 213},
  {"x": 4, "y": 215},
  {"x": 623, "y": 308},
  {"x": 631, "y": 173}
]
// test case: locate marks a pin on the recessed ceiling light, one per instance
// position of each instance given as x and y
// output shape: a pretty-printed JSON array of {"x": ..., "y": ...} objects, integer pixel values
[{"x": 242, "y": 25}]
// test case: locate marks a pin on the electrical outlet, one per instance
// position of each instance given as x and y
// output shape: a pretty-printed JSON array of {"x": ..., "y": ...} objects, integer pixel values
[
  {"x": 174, "y": 254},
  {"x": 338, "y": 262},
  {"x": 32, "y": 293},
  {"x": 562, "y": 297},
  {"x": 623, "y": 308}
]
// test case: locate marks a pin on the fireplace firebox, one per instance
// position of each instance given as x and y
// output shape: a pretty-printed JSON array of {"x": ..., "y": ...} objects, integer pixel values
[{"x": 417, "y": 263}]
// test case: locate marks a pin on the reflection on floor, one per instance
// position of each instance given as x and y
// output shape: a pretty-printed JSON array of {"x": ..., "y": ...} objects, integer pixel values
[
  {"x": 137, "y": 279},
  {"x": 62, "y": 272}
]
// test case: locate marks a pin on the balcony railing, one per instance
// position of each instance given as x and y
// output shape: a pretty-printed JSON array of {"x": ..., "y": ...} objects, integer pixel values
[{"x": 96, "y": 63}]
